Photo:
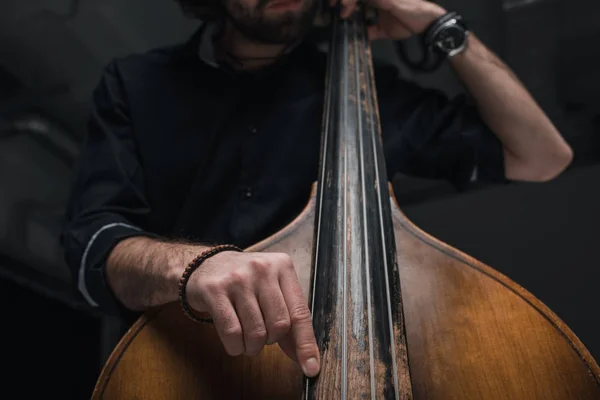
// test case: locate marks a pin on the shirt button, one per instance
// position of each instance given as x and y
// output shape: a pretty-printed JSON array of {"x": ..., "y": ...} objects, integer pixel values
[
  {"x": 253, "y": 130},
  {"x": 248, "y": 193}
]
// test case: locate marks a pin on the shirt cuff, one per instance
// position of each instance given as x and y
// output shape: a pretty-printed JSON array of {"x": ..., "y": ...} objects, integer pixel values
[
  {"x": 92, "y": 281},
  {"x": 489, "y": 164}
]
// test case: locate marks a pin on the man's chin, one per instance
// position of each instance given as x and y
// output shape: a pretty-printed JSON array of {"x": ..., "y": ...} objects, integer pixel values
[
  {"x": 277, "y": 26},
  {"x": 282, "y": 31}
]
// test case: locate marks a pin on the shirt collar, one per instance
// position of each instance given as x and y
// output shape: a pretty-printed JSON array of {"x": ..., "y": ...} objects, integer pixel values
[{"x": 206, "y": 48}]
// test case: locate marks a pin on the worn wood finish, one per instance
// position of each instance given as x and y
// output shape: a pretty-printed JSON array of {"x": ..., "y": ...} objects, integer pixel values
[
  {"x": 472, "y": 333},
  {"x": 356, "y": 301}
]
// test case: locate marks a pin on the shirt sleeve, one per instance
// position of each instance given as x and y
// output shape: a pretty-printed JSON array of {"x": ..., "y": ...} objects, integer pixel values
[
  {"x": 428, "y": 135},
  {"x": 107, "y": 202}
]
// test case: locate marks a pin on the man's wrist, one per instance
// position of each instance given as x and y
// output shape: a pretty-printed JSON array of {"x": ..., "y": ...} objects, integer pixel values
[
  {"x": 179, "y": 257},
  {"x": 431, "y": 12}
]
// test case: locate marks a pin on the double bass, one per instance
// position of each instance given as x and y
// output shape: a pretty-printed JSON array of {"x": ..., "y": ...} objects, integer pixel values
[{"x": 397, "y": 314}]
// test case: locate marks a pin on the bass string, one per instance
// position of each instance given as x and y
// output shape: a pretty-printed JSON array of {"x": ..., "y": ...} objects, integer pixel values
[
  {"x": 370, "y": 95},
  {"x": 345, "y": 220},
  {"x": 321, "y": 184},
  {"x": 360, "y": 133}
]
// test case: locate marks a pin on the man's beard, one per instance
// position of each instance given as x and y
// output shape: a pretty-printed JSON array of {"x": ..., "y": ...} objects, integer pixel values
[{"x": 281, "y": 29}]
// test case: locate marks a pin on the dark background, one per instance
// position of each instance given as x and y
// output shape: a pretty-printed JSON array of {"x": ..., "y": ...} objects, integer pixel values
[{"x": 544, "y": 236}]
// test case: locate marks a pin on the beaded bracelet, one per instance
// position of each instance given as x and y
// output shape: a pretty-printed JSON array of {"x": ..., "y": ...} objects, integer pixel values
[{"x": 192, "y": 266}]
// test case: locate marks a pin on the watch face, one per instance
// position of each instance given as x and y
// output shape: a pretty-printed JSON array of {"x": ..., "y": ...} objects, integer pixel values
[{"x": 451, "y": 38}]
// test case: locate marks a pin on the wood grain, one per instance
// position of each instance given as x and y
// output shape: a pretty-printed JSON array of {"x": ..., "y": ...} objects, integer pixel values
[
  {"x": 472, "y": 333},
  {"x": 504, "y": 343}
]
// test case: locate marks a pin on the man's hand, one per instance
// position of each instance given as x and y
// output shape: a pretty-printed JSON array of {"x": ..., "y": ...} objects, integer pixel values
[
  {"x": 256, "y": 299},
  {"x": 398, "y": 19}
]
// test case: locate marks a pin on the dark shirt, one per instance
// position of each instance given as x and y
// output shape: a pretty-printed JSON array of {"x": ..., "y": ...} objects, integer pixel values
[{"x": 179, "y": 148}]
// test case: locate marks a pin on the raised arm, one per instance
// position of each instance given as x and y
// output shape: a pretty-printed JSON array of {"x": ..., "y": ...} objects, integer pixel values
[{"x": 533, "y": 148}]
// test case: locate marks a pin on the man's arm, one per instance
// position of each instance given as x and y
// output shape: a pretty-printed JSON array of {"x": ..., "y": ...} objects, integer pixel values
[
  {"x": 107, "y": 201},
  {"x": 534, "y": 150},
  {"x": 254, "y": 298},
  {"x": 144, "y": 272}
]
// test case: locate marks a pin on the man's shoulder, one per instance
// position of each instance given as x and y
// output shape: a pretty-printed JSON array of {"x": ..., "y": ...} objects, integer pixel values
[
  {"x": 138, "y": 76},
  {"x": 141, "y": 62}
]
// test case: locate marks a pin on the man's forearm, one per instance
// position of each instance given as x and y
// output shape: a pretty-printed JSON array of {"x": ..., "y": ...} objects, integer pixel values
[
  {"x": 144, "y": 272},
  {"x": 534, "y": 149}
]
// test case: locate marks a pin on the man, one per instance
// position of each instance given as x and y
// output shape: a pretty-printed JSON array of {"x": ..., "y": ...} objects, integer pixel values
[{"x": 217, "y": 142}]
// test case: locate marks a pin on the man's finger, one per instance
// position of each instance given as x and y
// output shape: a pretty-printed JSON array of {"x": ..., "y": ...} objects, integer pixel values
[
  {"x": 253, "y": 325},
  {"x": 287, "y": 345},
  {"x": 227, "y": 324},
  {"x": 274, "y": 310},
  {"x": 302, "y": 331}
]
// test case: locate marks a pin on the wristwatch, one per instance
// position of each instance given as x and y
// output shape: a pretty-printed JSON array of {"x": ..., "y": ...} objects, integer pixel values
[{"x": 448, "y": 35}]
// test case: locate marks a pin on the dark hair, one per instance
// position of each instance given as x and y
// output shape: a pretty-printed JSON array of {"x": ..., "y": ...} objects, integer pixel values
[{"x": 205, "y": 10}]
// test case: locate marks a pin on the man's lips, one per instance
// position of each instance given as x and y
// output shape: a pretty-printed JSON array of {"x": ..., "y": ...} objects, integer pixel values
[{"x": 284, "y": 4}]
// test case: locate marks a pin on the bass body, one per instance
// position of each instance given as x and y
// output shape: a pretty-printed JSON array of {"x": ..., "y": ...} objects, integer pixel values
[{"x": 472, "y": 333}]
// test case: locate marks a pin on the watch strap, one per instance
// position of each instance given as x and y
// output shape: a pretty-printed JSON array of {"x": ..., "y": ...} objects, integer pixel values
[{"x": 434, "y": 28}]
